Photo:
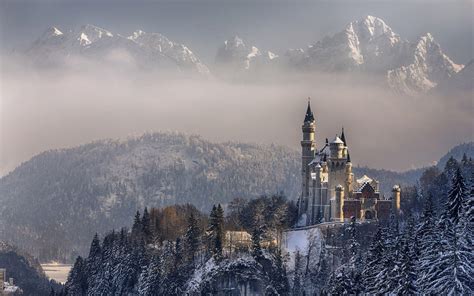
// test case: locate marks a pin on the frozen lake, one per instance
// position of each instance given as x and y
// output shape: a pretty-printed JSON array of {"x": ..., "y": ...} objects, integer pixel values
[{"x": 57, "y": 271}]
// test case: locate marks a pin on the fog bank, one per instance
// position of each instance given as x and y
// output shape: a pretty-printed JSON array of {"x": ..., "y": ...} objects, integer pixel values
[{"x": 47, "y": 109}]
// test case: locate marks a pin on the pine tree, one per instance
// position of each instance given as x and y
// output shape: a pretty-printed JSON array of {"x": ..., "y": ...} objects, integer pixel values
[
  {"x": 76, "y": 284},
  {"x": 93, "y": 265},
  {"x": 374, "y": 265},
  {"x": 192, "y": 239},
  {"x": 407, "y": 276},
  {"x": 256, "y": 243},
  {"x": 355, "y": 260},
  {"x": 451, "y": 273},
  {"x": 151, "y": 285},
  {"x": 137, "y": 227},
  {"x": 469, "y": 207},
  {"x": 387, "y": 281},
  {"x": 297, "y": 288},
  {"x": 216, "y": 231},
  {"x": 278, "y": 277},
  {"x": 340, "y": 283},
  {"x": 456, "y": 197},
  {"x": 451, "y": 166},
  {"x": 146, "y": 226}
]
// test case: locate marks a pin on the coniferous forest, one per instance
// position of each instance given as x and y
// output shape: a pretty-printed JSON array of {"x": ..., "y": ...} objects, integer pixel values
[{"x": 426, "y": 250}]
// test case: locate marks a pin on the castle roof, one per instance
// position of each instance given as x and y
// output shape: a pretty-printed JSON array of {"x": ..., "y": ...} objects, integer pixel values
[
  {"x": 343, "y": 137},
  {"x": 364, "y": 179},
  {"x": 337, "y": 140},
  {"x": 309, "y": 117}
]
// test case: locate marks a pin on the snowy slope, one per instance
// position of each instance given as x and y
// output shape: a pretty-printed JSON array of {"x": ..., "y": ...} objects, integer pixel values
[{"x": 144, "y": 50}]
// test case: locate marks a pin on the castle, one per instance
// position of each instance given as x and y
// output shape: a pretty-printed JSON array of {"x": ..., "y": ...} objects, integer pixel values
[{"x": 330, "y": 192}]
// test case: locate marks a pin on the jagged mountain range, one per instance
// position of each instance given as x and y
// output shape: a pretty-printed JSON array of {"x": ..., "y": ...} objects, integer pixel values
[
  {"x": 55, "y": 202},
  {"x": 145, "y": 50},
  {"x": 366, "y": 46}
]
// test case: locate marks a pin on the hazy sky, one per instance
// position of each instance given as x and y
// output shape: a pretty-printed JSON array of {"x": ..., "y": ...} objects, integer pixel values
[
  {"x": 273, "y": 25},
  {"x": 41, "y": 111}
]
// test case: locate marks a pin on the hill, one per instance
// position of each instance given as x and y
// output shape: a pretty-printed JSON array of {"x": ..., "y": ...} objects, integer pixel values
[
  {"x": 52, "y": 204},
  {"x": 57, "y": 200}
]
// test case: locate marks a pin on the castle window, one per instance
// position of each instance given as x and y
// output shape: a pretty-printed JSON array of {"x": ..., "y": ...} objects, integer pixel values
[{"x": 369, "y": 215}]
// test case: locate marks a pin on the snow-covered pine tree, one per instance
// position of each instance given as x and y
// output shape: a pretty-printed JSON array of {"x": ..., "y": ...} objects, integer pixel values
[
  {"x": 278, "y": 276},
  {"x": 340, "y": 283},
  {"x": 137, "y": 227},
  {"x": 93, "y": 265},
  {"x": 407, "y": 274},
  {"x": 374, "y": 265},
  {"x": 216, "y": 232},
  {"x": 450, "y": 168},
  {"x": 103, "y": 284},
  {"x": 192, "y": 239},
  {"x": 297, "y": 287},
  {"x": 452, "y": 272},
  {"x": 354, "y": 265},
  {"x": 256, "y": 243},
  {"x": 76, "y": 284},
  {"x": 387, "y": 281},
  {"x": 469, "y": 207},
  {"x": 151, "y": 285},
  {"x": 146, "y": 226},
  {"x": 457, "y": 197}
]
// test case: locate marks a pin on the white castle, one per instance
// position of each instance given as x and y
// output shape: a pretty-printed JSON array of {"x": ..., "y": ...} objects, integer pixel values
[{"x": 330, "y": 192}]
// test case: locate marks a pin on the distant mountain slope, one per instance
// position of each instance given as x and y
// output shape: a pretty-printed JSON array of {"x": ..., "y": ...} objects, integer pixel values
[
  {"x": 463, "y": 81},
  {"x": 58, "y": 199},
  {"x": 367, "y": 46},
  {"x": 26, "y": 271},
  {"x": 151, "y": 51},
  {"x": 457, "y": 152}
]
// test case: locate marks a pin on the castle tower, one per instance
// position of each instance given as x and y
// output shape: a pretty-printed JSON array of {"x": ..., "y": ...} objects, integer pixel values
[
  {"x": 308, "y": 145},
  {"x": 338, "y": 205},
  {"x": 349, "y": 175},
  {"x": 396, "y": 199}
]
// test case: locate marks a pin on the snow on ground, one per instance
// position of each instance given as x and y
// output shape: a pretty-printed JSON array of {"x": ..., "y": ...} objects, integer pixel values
[
  {"x": 57, "y": 271},
  {"x": 302, "y": 240}
]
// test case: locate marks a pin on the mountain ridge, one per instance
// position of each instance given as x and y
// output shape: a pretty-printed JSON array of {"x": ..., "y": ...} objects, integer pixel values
[{"x": 367, "y": 46}]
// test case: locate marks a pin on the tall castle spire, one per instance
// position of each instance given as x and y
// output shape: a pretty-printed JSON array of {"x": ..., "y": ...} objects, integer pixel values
[
  {"x": 308, "y": 147},
  {"x": 343, "y": 137},
  {"x": 309, "y": 117}
]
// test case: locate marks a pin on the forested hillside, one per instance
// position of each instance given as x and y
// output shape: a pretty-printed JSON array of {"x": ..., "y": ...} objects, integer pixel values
[
  {"x": 426, "y": 249},
  {"x": 25, "y": 271},
  {"x": 52, "y": 204}
]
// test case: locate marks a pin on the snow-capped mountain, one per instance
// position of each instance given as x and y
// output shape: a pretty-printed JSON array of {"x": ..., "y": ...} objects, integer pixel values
[
  {"x": 425, "y": 67},
  {"x": 235, "y": 55},
  {"x": 463, "y": 81},
  {"x": 367, "y": 46},
  {"x": 145, "y": 50}
]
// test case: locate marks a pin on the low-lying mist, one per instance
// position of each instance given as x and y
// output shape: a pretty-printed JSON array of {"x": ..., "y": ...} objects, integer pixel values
[{"x": 47, "y": 109}]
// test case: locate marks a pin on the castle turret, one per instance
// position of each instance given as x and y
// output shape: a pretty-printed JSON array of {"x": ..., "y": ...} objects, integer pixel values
[
  {"x": 337, "y": 148},
  {"x": 308, "y": 146},
  {"x": 349, "y": 175},
  {"x": 338, "y": 204},
  {"x": 396, "y": 199}
]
